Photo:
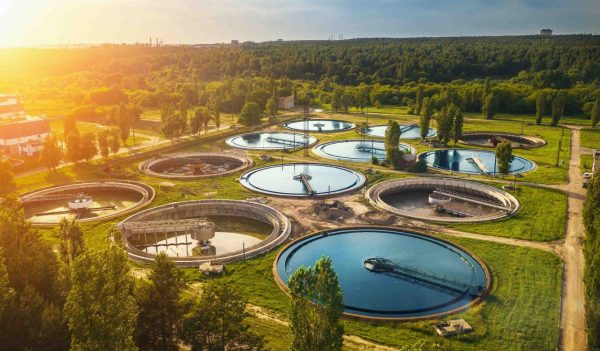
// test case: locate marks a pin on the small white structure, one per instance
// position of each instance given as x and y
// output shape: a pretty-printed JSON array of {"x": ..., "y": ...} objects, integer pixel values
[
  {"x": 453, "y": 327},
  {"x": 286, "y": 102},
  {"x": 81, "y": 203}
]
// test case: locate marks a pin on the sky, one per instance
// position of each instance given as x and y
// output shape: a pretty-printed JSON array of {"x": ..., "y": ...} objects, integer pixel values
[{"x": 55, "y": 22}]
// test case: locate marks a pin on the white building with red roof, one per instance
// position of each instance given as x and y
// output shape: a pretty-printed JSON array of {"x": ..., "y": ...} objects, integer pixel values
[{"x": 23, "y": 136}]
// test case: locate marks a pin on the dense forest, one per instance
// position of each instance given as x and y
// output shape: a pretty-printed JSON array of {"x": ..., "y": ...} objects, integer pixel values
[{"x": 370, "y": 71}]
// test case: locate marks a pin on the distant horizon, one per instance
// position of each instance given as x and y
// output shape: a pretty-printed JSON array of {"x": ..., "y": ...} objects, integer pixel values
[
  {"x": 92, "y": 44},
  {"x": 34, "y": 23}
]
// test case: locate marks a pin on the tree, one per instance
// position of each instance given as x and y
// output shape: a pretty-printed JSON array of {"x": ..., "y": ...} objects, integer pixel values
[
  {"x": 6, "y": 292},
  {"x": 425, "y": 118},
  {"x": 123, "y": 119},
  {"x": 32, "y": 319},
  {"x": 114, "y": 143},
  {"x": 504, "y": 157},
  {"x": 336, "y": 99},
  {"x": 103, "y": 143},
  {"x": 361, "y": 99},
  {"x": 69, "y": 126},
  {"x": 487, "y": 88},
  {"x": 558, "y": 107},
  {"x": 201, "y": 118},
  {"x": 419, "y": 100},
  {"x": 250, "y": 115},
  {"x": 71, "y": 246},
  {"x": 100, "y": 308},
  {"x": 215, "y": 106},
  {"x": 488, "y": 107},
  {"x": 346, "y": 101},
  {"x": 134, "y": 114},
  {"x": 316, "y": 308},
  {"x": 217, "y": 321},
  {"x": 51, "y": 153},
  {"x": 88, "y": 147},
  {"x": 7, "y": 182},
  {"x": 591, "y": 221},
  {"x": 458, "y": 125},
  {"x": 392, "y": 142},
  {"x": 173, "y": 124},
  {"x": 445, "y": 123},
  {"x": 73, "y": 147},
  {"x": 595, "y": 113},
  {"x": 272, "y": 107},
  {"x": 160, "y": 310},
  {"x": 540, "y": 106}
]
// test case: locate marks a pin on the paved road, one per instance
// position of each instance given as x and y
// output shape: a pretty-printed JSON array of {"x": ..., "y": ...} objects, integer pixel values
[{"x": 573, "y": 335}]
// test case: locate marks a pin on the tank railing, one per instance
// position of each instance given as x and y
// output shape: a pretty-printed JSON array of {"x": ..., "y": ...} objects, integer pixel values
[
  {"x": 384, "y": 265},
  {"x": 304, "y": 179},
  {"x": 166, "y": 226},
  {"x": 367, "y": 148},
  {"x": 481, "y": 167},
  {"x": 55, "y": 197},
  {"x": 408, "y": 127},
  {"x": 286, "y": 141},
  {"x": 472, "y": 198}
]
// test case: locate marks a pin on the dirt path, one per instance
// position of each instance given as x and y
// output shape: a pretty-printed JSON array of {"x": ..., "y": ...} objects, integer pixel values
[
  {"x": 573, "y": 335},
  {"x": 554, "y": 247}
]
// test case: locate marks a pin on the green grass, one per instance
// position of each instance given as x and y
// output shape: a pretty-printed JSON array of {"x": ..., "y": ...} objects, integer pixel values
[
  {"x": 533, "y": 222},
  {"x": 586, "y": 163},
  {"x": 590, "y": 138},
  {"x": 521, "y": 312}
]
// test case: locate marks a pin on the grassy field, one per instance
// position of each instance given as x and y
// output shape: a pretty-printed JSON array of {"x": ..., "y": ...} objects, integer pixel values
[
  {"x": 590, "y": 138},
  {"x": 520, "y": 314},
  {"x": 532, "y": 222}
]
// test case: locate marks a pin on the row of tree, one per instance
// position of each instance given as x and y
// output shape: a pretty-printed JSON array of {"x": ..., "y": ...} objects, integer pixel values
[{"x": 76, "y": 147}]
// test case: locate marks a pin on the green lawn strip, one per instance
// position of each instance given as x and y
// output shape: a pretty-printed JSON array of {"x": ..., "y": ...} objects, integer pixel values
[
  {"x": 541, "y": 218},
  {"x": 521, "y": 312},
  {"x": 586, "y": 163},
  {"x": 590, "y": 138}
]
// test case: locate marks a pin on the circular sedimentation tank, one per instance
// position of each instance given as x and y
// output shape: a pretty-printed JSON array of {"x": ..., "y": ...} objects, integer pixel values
[
  {"x": 491, "y": 139},
  {"x": 320, "y": 125},
  {"x": 472, "y": 161},
  {"x": 196, "y": 165},
  {"x": 409, "y": 131},
  {"x": 88, "y": 201},
  {"x": 443, "y": 199},
  {"x": 359, "y": 150},
  {"x": 271, "y": 141},
  {"x": 201, "y": 231},
  {"x": 302, "y": 180},
  {"x": 391, "y": 274}
]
